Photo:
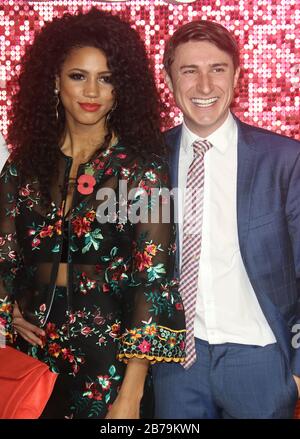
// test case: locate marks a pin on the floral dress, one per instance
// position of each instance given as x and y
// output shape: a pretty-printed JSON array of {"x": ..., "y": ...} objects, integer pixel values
[{"x": 121, "y": 300}]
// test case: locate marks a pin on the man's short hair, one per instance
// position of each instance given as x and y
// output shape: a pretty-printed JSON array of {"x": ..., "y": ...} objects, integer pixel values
[{"x": 202, "y": 30}]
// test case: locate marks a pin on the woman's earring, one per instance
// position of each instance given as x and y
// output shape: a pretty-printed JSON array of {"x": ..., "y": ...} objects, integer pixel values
[
  {"x": 111, "y": 111},
  {"x": 56, "y": 93}
]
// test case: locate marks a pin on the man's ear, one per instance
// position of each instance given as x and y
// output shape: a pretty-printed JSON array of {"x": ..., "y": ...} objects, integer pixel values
[
  {"x": 236, "y": 76},
  {"x": 168, "y": 80}
]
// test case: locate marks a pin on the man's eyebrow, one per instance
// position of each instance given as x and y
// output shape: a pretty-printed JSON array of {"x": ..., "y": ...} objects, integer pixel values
[
  {"x": 219, "y": 64},
  {"x": 189, "y": 66},
  {"x": 194, "y": 66}
]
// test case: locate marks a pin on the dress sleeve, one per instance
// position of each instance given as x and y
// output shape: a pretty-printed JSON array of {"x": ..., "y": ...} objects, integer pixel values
[
  {"x": 153, "y": 320},
  {"x": 10, "y": 260}
]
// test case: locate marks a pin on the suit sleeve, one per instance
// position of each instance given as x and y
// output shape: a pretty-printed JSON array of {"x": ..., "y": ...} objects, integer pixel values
[{"x": 293, "y": 217}]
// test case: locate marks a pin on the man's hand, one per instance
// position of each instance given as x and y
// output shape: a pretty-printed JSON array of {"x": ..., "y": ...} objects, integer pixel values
[{"x": 29, "y": 332}]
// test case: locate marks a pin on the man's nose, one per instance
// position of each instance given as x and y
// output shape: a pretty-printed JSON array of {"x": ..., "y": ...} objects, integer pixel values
[{"x": 204, "y": 84}]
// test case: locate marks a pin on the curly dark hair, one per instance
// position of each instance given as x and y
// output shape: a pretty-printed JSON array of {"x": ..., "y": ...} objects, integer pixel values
[{"x": 35, "y": 133}]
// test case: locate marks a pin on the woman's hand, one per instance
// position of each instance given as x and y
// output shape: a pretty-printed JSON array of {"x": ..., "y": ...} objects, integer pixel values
[
  {"x": 297, "y": 380},
  {"x": 26, "y": 330},
  {"x": 124, "y": 408},
  {"x": 127, "y": 403}
]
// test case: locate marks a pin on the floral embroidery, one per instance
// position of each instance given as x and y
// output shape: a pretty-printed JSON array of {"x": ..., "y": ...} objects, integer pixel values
[
  {"x": 144, "y": 259},
  {"x": 151, "y": 176},
  {"x": 121, "y": 156},
  {"x": 97, "y": 393},
  {"x": 104, "y": 382},
  {"x": 86, "y": 284},
  {"x": 82, "y": 225},
  {"x": 29, "y": 197},
  {"x": 125, "y": 172},
  {"x": 6, "y": 332},
  {"x": 6, "y": 249},
  {"x": 144, "y": 347},
  {"x": 158, "y": 343},
  {"x": 38, "y": 232},
  {"x": 92, "y": 392},
  {"x": 25, "y": 191},
  {"x": 114, "y": 330},
  {"x": 166, "y": 299},
  {"x": 115, "y": 273}
]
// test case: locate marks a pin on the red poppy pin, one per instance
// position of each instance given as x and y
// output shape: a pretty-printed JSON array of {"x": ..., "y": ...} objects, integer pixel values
[{"x": 86, "y": 184}]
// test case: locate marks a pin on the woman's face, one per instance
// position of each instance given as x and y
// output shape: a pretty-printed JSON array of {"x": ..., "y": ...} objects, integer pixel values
[{"x": 85, "y": 88}]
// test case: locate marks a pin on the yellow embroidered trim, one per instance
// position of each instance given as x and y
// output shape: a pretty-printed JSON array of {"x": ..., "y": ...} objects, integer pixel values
[
  {"x": 172, "y": 330},
  {"x": 151, "y": 358},
  {"x": 158, "y": 326}
]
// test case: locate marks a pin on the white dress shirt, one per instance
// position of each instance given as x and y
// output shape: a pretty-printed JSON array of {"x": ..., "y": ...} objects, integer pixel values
[
  {"x": 3, "y": 152},
  {"x": 227, "y": 307}
]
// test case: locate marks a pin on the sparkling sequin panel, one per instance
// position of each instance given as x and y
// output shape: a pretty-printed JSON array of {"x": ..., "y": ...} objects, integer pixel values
[{"x": 267, "y": 31}]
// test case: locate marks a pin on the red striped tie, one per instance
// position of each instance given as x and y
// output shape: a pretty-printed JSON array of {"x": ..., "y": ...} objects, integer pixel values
[{"x": 191, "y": 243}]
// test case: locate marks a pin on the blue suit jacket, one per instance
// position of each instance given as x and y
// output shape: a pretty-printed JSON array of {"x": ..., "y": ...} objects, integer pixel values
[{"x": 268, "y": 218}]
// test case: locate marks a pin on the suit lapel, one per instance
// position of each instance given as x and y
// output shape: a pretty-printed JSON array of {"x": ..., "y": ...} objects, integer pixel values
[
  {"x": 247, "y": 163},
  {"x": 173, "y": 141},
  {"x": 173, "y": 138}
]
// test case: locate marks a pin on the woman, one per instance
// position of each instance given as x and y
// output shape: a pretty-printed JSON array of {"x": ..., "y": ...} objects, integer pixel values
[{"x": 93, "y": 281}]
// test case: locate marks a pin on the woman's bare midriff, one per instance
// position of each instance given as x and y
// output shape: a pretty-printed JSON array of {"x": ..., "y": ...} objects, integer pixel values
[{"x": 62, "y": 275}]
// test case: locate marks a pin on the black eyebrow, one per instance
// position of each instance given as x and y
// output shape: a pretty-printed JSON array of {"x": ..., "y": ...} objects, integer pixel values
[{"x": 85, "y": 71}]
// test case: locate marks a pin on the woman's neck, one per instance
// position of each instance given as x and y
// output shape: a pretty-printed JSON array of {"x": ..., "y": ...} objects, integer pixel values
[{"x": 82, "y": 143}]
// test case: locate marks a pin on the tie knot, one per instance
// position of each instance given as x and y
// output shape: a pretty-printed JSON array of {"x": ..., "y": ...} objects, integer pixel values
[{"x": 201, "y": 146}]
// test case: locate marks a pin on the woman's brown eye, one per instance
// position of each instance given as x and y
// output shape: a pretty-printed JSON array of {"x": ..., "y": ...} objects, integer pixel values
[{"x": 76, "y": 76}]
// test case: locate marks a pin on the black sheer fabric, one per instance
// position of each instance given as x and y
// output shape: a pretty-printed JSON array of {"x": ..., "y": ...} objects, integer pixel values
[{"x": 120, "y": 300}]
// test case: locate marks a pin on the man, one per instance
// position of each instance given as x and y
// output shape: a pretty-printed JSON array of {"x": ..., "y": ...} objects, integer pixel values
[
  {"x": 3, "y": 152},
  {"x": 242, "y": 356}
]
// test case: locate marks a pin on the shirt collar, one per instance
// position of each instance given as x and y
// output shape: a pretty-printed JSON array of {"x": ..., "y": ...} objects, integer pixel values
[
  {"x": 224, "y": 137},
  {"x": 187, "y": 138}
]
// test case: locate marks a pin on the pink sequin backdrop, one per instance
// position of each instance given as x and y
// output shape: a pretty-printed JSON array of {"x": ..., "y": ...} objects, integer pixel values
[{"x": 267, "y": 31}]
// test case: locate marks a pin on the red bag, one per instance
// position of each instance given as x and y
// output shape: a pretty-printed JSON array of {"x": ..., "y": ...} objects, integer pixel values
[{"x": 25, "y": 385}]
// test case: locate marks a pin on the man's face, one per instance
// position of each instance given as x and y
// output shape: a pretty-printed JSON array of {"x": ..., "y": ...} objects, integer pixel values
[{"x": 203, "y": 81}]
